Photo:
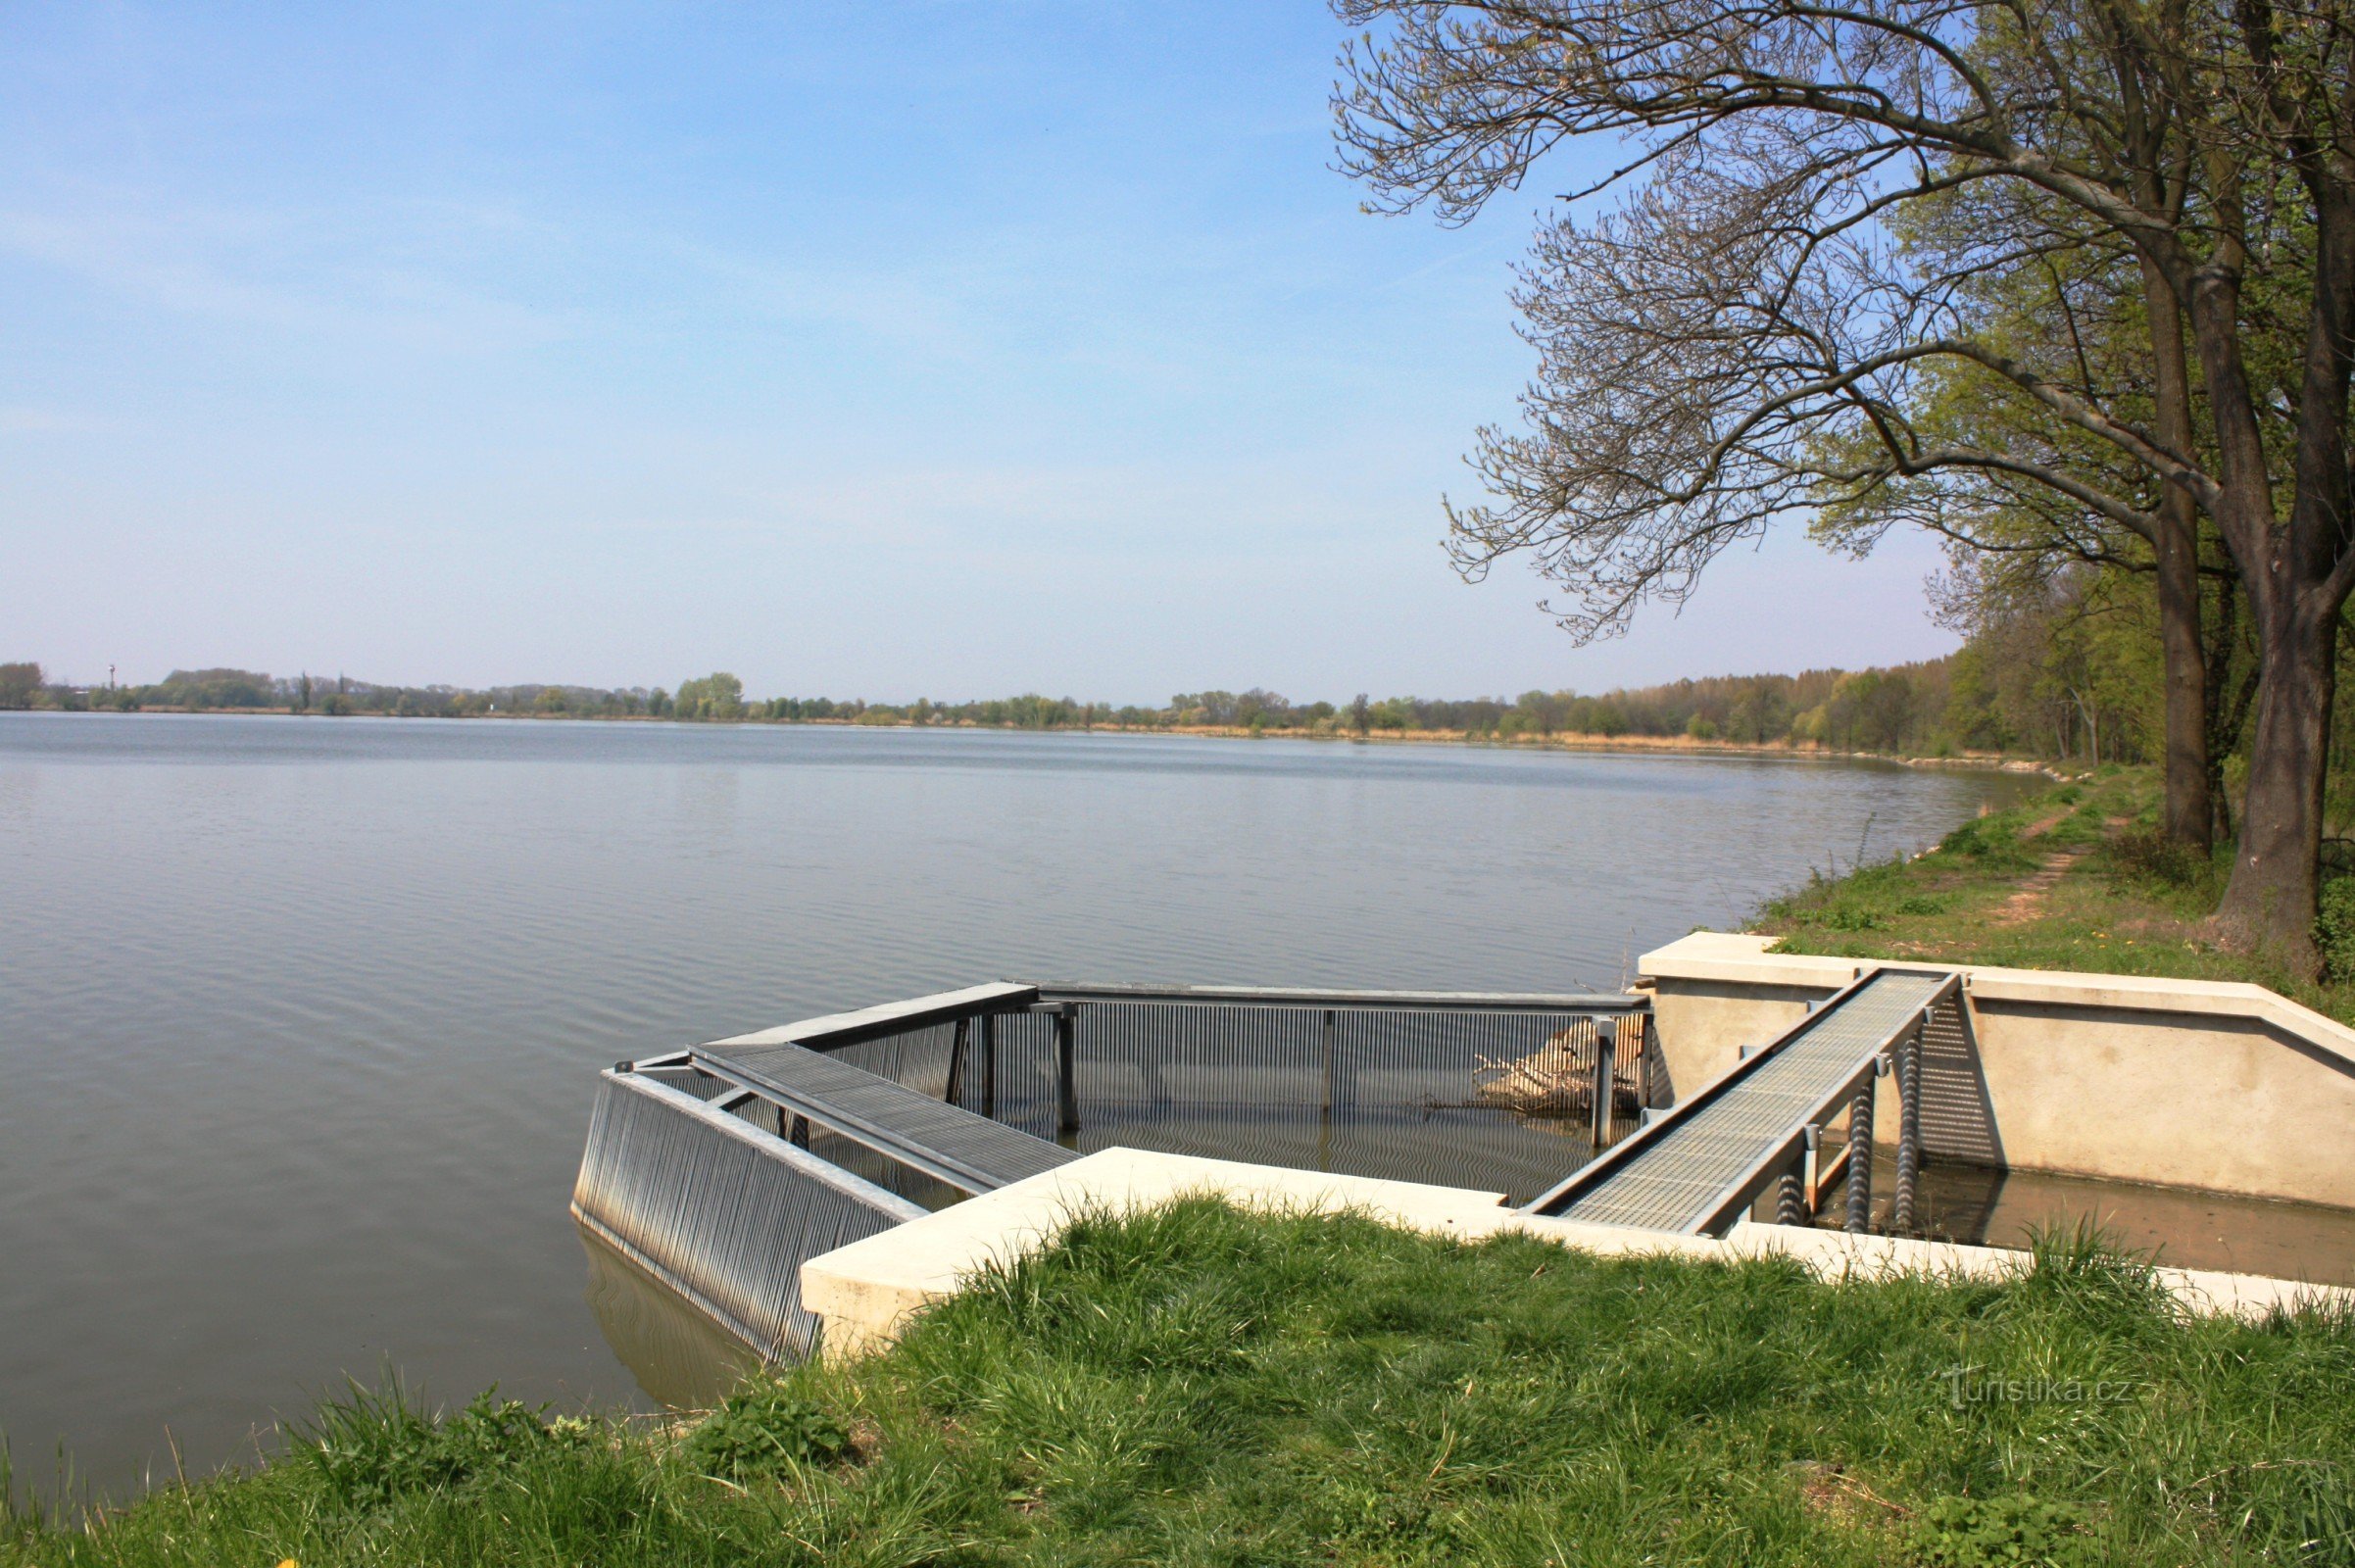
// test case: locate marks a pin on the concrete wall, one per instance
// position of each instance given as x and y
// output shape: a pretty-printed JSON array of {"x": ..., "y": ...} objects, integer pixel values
[
  {"x": 2183, "y": 1083},
  {"x": 865, "y": 1293}
]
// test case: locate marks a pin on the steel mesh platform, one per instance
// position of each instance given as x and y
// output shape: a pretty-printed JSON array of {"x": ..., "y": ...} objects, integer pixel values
[
  {"x": 1675, "y": 1175},
  {"x": 972, "y": 1152}
]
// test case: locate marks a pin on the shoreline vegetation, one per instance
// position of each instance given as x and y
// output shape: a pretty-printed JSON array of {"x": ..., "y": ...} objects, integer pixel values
[
  {"x": 1198, "y": 1386},
  {"x": 2078, "y": 877},
  {"x": 1908, "y": 713}
]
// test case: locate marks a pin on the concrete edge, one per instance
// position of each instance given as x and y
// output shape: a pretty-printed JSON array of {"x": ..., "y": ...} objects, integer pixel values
[{"x": 867, "y": 1292}]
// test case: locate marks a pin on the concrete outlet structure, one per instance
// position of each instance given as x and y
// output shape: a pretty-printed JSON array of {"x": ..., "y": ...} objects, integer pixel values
[
  {"x": 2182, "y": 1083},
  {"x": 775, "y": 1179}
]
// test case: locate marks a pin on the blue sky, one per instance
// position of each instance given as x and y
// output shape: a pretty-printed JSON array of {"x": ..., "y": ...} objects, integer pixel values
[{"x": 943, "y": 349}]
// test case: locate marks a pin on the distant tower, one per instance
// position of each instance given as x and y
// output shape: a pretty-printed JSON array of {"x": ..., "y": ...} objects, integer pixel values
[{"x": 110, "y": 677}]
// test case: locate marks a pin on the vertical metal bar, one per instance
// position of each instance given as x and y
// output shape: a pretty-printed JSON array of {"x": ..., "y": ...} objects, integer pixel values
[
  {"x": 1066, "y": 1087},
  {"x": 1332, "y": 1028},
  {"x": 1909, "y": 1129},
  {"x": 1812, "y": 1171},
  {"x": 800, "y": 1137},
  {"x": 1607, "y": 1047},
  {"x": 1860, "y": 1160},
  {"x": 954, "y": 1093}
]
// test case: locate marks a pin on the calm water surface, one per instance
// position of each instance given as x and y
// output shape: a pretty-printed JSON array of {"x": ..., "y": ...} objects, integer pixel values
[{"x": 299, "y": 1019}]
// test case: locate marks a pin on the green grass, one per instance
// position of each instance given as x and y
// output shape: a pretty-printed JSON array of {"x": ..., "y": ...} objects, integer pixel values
[
  {"x": 2128, "y": 904},
  {"x": 1199, "y": 1386}
]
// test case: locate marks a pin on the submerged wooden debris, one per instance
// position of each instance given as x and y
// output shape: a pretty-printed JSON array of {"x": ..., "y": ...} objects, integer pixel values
[{"x": 1557, "y": 1079}]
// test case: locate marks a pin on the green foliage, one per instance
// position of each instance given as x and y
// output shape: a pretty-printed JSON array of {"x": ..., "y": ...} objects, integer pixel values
[
  {"x": 214, "y": 688},
  {"x": 2150, "y": 856},
  {"x": 2005, "y": 1531},
  {"x": 1986, "y": 839},
  {"x": 2334, "y": 930},
  {"x": 763, "y": 1429},
  {"x": 717, "y": 697},
  {"x": 20, "y": 684},
  {"x": 374, "y": 1447}
]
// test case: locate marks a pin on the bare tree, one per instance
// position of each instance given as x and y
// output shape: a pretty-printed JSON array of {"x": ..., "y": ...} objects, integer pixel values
[{"x": 1719, "y": 345}]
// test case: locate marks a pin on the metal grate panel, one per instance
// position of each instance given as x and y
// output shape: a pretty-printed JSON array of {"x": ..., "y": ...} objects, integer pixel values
[
  {"x": 1678, "y": 1177},
  {"x": 1958, "y": 1120},
  {"x": 1389, "y": 1090},
  {"x": 922, "y": 1131},
  {"x": 716, "y": 1209}
]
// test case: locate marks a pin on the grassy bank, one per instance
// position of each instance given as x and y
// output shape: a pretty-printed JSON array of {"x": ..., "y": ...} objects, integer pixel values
[
  {"x": 1200, "y": 1387},
  {"x": 2073, "y": 878}
]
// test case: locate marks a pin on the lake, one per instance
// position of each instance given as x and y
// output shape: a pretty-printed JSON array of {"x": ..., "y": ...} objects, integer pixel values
[{"x": 299, "y": 1019}]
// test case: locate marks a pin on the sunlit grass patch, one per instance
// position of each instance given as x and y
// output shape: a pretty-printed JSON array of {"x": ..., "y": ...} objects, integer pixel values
[{"x": 1196, "y": 1386}]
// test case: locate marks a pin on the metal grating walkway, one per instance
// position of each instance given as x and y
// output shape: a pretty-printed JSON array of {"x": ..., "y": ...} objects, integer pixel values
[
  {"x": 1704, "y": 1162},
  {"x": 952, "y": 1145}
]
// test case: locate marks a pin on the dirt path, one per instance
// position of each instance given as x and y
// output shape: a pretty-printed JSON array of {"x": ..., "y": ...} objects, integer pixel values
[{"x": 2028, "y": 901}]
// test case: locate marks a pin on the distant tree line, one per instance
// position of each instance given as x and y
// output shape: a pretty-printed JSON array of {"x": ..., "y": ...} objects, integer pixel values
[{"x": 1974, "y": 699}]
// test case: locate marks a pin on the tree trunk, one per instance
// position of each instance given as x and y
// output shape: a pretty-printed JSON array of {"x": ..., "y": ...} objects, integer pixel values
[
  {"x": 2188, "y": 815},
  {"x": 2270, "y": 901},
  {"x": 2227, "y": 708}
]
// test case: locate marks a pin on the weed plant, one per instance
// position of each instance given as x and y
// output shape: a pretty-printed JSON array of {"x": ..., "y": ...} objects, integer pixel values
[{"x": 1194, "y": 1386}]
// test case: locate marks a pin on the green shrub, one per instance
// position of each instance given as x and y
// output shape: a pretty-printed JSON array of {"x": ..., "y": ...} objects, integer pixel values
[
  {"x": 2150, "y": 856},
  {"x": 2001, "y": 1532},
  {"x": 1981, "y": 837},
  {"x": 376, "y": 1445},
  {"x": 2334, "y": 930},
  {"x": 764, "y": 1428}
]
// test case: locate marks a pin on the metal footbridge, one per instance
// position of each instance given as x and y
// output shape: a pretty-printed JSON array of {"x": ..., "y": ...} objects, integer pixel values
[{"x": 1701, "y": 1166}]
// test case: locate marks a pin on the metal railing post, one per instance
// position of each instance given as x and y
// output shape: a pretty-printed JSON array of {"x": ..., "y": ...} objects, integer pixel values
[
  {"x": 1607, "y": 1047},
  {"x": 988, "y": 1064},
  {"x": 1860, "y": 1160},
  {"x": 1066, "y": 1087},
  {"x": 955, "y": 1093},
  {"x": 1642, "y": 1027}
]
